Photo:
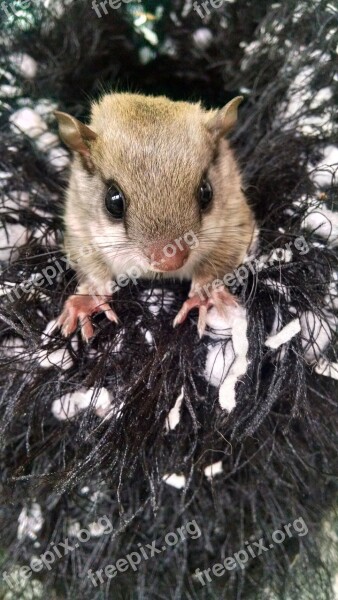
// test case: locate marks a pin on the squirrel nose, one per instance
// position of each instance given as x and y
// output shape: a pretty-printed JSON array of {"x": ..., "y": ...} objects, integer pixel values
[{"x": 167, "y": 256}]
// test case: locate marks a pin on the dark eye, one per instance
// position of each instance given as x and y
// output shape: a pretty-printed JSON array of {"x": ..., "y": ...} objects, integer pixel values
[
  {"x": 115, "y": 202},
  {"x": 205, "y": 194}
]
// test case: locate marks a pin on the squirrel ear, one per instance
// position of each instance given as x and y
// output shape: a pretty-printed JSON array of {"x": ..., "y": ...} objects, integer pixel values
[
  {"x": 75, "y": 134},
  {"x": 224, "y": 119}
]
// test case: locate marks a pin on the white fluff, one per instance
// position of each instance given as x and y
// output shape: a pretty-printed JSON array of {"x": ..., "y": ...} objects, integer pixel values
[
  {"x": 70, "y": 405},
  {"x": 202, "y": 37},
  {"x": 219, "y": 360},
  {"x": 279, "y": 287},
  {"x": 59, "y": 158},
  {"x": 44, "y": 107},
  {"x": 325, "y": 224},
  {"x": 284, "y": 335},
  {"x": 174, "y": 414},
  {"x": 24, "y": 64},
  {"x": 31, "y": 123},
  {"x": 219, "y": 327},
  {"x": 48, "y": 330},
  {"x": 4, "y": 176},
  {"x": 148, "y": 336},
  {"x": 10, "y": 91},
  {"x": 13, "y": 200},
  {"x": 213, "y": 469},
  {"x": 329, "y": 369},
  {"x": 6, "y": 287},
  {"x": 47, "y": 140},
  {"x": 10, "y": 237},
  {"x": 96, "y": 529},
  {"x": 157, "y": 299},
  {"x": 220, "y": 356},
  {"x": 145, "y": 55},
  {"x": 321, "y": 96},
  {"x": 28, "y": 121},
  {"x": 30, "y": 522},
  {"x": 176, "y": 481},
  {"x": 56, "y": 6},
  {"x": 103, "y": 405},
  {"x": 13, "y": 346},
  {"x": 281, "y": 254},
  {"x": 74, "y": 529},
  {"x": 331, "y": 299},
  {"x": 58, "y": 358},
  {"x": 313, "y": 124},
  {"x": 316, "y": 334},
  {"x": 300, "y": 93},
  {"x": 323, "y": 172},
  {"x": 227, "y": 398},
  {"x": 276, "y": 322},
  {"x": 226, "y": 365}
]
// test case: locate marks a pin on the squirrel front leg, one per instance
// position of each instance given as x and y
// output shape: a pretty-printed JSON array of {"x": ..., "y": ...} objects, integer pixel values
[
  {"x": 93, "y": 294},
  {"x": 205, "y": 292}
]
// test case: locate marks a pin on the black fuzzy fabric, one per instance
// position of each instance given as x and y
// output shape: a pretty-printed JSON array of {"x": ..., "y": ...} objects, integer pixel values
[{"x": 278, "y": 445}]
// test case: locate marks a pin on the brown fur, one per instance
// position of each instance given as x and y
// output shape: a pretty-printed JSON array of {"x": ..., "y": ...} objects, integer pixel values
[{"x": 157, "y": 151}]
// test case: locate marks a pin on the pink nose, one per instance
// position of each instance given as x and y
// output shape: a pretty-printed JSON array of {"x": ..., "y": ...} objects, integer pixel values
[{"x": 167, "y": 256}]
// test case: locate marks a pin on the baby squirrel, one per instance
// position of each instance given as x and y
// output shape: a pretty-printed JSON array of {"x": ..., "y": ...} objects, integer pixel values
[{"x": 146, "y": 172}]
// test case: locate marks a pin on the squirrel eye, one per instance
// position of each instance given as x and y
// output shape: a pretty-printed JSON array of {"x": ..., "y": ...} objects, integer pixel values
[
  {"x": 115, "y": 201},
  {"x": 205, "y": 194}
]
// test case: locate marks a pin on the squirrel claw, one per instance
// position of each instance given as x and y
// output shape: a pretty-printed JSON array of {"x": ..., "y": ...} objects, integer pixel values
[
  {"x": 220, "y": 298},
  {"x": 79, "y": 308}
]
